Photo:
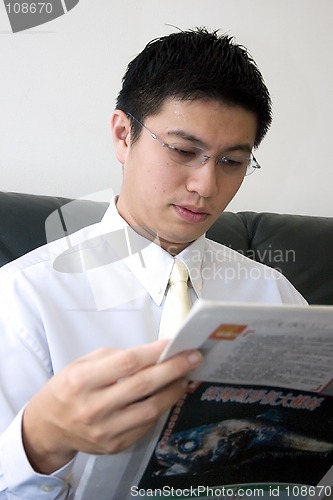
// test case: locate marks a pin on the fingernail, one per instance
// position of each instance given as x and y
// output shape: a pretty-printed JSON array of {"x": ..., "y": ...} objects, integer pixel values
[{"x": 194, "y": 358}]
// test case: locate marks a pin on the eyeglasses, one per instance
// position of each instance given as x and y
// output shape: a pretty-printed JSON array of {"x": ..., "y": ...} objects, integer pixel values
[{"x": 234, "y": 163}]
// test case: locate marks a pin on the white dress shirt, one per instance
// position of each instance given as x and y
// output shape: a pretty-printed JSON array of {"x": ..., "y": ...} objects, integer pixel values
[{"x": 101, "y": 287}]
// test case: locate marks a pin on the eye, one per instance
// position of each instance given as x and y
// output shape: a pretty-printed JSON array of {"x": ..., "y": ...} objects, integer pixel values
[
  {"x": 183, "y": 151},
  {"x": 234, "y": 162},
  {"x": 185, "y": 154}
]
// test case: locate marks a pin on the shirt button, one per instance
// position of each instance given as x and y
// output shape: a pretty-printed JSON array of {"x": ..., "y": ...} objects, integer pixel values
[{"x": 47, "y": 489}]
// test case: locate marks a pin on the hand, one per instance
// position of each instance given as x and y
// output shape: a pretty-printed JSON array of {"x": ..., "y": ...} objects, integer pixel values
[{"x": 102, "y": 403}]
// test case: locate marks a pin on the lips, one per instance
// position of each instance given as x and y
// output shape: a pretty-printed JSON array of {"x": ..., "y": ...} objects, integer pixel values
[{"x": 191, "y": 213}]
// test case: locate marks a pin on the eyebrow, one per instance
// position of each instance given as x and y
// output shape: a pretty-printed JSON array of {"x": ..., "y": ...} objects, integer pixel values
[
  {"x": 188, "y": 137},
  {"x": 181, "y": 134}
]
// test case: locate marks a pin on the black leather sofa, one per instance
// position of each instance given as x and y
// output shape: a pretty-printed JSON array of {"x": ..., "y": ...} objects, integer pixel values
[{"x": 301, "y": 247}]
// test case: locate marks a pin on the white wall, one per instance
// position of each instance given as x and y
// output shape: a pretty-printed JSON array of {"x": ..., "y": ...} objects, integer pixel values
[{"x": 58, "y": 84}]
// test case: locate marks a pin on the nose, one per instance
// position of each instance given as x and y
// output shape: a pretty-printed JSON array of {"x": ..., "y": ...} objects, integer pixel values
[{"x": 204, "y": 179}]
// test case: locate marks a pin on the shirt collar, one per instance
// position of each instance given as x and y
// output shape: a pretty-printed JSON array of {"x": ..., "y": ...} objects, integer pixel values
[{"x": 154, "y": 266}]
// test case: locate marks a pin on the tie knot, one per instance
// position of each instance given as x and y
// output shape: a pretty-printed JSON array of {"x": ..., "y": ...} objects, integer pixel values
[{"x": 179, "y": 272}]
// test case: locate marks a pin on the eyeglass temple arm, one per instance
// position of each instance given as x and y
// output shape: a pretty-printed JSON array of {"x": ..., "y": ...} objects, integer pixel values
[{"x": 256, "y": 165}]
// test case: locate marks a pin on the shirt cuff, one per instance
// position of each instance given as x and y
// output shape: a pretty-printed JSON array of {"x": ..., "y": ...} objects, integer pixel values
[{"x": 19, "y": 479}]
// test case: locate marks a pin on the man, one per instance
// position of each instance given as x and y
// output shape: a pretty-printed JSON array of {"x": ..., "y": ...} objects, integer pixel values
[{"x": 78, "y": 360}]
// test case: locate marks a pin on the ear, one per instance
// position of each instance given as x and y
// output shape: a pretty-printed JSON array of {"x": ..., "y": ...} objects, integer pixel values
[{"x": 120, "y": 127}]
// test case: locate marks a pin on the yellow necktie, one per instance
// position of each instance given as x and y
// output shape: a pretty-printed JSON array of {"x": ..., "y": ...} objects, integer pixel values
[{"x": 177, "y": 302}]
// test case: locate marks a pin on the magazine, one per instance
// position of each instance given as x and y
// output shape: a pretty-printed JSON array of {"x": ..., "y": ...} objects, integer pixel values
[{"x": 257, "y": 417}]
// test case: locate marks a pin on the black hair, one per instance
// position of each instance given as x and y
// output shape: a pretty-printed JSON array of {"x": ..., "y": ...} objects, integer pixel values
[{"x": 190, "y": 65}]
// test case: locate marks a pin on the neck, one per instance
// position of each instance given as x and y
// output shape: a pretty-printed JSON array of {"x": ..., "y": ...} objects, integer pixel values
[{"x": 173, "y": 248}]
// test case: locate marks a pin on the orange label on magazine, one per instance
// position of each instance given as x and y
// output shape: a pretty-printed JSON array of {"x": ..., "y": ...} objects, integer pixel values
[{"x": 227, "y": 332}]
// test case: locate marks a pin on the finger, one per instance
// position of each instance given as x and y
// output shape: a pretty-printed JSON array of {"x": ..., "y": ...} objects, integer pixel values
[
  {"x": 145, "y": 383},
  {"x": 125, "y": 426},
  {"x": 122, "y": 441},
  {"x": 115, "y": 443},
  {"x": 148, "y": 410},
  {"x": 106, "y": 366}
]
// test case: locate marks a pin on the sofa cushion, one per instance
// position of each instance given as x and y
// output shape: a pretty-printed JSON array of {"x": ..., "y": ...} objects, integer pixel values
[
  {"x": 23, "y": 221},
  {"x": 300, "y": 246}
]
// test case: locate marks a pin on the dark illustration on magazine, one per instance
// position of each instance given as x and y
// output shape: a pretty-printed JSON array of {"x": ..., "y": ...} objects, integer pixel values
[{"x": 222, "y": 434}]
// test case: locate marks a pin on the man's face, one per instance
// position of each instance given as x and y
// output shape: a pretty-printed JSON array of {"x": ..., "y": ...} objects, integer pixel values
[{"x": 177, "y": 202}]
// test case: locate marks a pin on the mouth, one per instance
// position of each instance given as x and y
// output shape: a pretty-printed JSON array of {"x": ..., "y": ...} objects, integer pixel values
[{"x": 191, "y": 213}]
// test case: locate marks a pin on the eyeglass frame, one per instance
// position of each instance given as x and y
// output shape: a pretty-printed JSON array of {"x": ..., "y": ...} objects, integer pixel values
[{"x": 219, "y": 161}]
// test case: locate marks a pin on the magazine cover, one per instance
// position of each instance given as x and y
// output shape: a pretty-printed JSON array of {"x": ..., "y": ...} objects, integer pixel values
[{"x": 264, "y": 438}]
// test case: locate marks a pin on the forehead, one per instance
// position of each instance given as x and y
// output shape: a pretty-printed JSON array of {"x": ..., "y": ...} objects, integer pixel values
[{"x": 213, "y": 122}]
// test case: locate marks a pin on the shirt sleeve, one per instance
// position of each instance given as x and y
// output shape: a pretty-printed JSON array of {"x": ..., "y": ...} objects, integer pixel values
[
  {"x": 25, "y": 366},
  {"x": 288, "y": 293},
  {"x": 17, "y": 477}
]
